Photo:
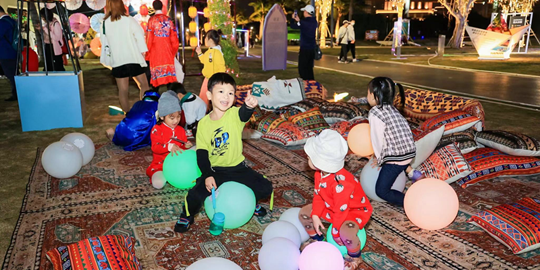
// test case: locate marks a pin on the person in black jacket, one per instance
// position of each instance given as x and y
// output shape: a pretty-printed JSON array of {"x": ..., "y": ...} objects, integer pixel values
[{"x": 308, "y": 27}]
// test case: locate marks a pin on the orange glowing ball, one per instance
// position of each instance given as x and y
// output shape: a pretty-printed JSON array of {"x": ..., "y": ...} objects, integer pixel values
[
  {"x": 431, "y": 204},
  {"x": 95, "y": 46},
  {"x": 207, "y": 27},
  {"x": 206, "y": 12},
  {"x": 360, "y": 140},
  {"x": 193, "y": 42}
]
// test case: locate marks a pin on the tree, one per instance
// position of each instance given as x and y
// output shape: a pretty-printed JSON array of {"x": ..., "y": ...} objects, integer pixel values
[
  {"x": 340, "y": 8},
  {"x": 323, "y": 10},
  {"x": 260, "y": 10},
  {"x": 241, "y": 19},
  {"x": 220, "y": 18},
  {"x": 459, "y": 9},
  {"x": 351, "y": 9},
  {"x": 521, "y": 6}
]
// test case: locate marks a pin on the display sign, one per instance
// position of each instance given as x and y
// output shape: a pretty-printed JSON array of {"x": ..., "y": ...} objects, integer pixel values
[
  {"x": 275, "y": 39},
  {"x": 493, "y": 45},
  {"x": 517, "y": 21}
]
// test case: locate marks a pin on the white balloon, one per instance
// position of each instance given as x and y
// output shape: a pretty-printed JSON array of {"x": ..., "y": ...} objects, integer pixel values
[
  {"x": 84, "y": 143},
  {"x": 283, "y": 229},
  {"x": 214, "y": 263},
  {"x": 279, "y": 253},
  {"x": 62, "y": 159},
  {"x": 291, "y": 215},
  {"x": 368, "y": 180}
]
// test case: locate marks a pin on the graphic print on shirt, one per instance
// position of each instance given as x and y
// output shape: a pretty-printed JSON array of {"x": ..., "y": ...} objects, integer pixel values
[{"x": 220, "y": 142}]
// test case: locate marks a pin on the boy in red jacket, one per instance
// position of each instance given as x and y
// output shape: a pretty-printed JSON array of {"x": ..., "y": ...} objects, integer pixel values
[
  {"x": 338, "y": 198},
  {"x": 167, "y": 136}
]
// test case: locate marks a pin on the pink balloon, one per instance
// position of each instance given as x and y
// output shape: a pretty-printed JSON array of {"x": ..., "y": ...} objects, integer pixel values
[
  {"x": 79, "y": 23},
  {"x": 321, "y": 256},
  {"x": 431, "y": 204}
]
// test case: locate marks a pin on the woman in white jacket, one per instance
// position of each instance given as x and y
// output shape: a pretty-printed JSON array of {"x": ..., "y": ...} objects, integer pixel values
[
  {"x": 127, "y": 46},
  {"x": 53, "y": 38}
]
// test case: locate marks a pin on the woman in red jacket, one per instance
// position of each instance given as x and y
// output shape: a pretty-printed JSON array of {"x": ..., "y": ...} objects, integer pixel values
[
  {"x": 338, "y": 198},
  {"x": 167, "y": 136}
]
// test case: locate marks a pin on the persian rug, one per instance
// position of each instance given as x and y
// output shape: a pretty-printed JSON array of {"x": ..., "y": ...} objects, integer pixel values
[{"x": 112, "y": 196}]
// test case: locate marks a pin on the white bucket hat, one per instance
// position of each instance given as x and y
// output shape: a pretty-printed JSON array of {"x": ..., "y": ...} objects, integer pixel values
[{"x": 327, "y": 151}]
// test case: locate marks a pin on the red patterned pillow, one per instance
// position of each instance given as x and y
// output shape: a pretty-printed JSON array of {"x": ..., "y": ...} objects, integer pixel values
[
  {"x": 453, "y": 121},
  {"x": 311, "y": 119},
  {"x": 515, "y": 225},
  {"x": 267, "y": 122},
  {"x": 103, "y": 252},
  {"x": 446, "y": 164},
  {"x": 343, "y": 127},
  {"x": 488, "y": 163},
  {"x": 289, "y": 134}
]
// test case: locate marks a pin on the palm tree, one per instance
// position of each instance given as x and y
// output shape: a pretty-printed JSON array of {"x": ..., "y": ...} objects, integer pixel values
[
  {"x": 340, "y": 8},
  {"x": 351, "y": 9},
  {"x": 260, "y": 10},
  {"x": 241, "y": 19}
]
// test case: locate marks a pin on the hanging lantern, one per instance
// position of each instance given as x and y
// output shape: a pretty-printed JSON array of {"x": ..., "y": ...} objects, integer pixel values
[
  {"x": 192, "y": 27},
  {"x": 143, "y": 10},
  {"x": 193, "y": 42},
  {"x": 207, "y": 27},
  {"x": 192, "y": 12},
  {"x": 206, "y": 12}
]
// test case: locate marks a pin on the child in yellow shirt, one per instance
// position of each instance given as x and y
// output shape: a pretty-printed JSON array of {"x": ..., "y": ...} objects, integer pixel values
[{"x": 212, "y": 60}]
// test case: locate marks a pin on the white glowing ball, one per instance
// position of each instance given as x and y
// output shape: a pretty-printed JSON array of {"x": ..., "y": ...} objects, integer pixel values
[
  {"x": 84, "y": 143},
  {"x": 62, "y": 160}
]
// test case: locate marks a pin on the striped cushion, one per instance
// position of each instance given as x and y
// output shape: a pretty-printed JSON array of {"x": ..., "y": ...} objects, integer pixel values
[
  {"x": 288, "y": 134},
  {"x": 311, "y": 119},
  {"x": 454, "y": 121},
  {"x": 446, "y": 164},
  {"x": 510, "y": 143},
  {"x": 113, "y": 252},
  {"x": 516, "y": 225},
  {"x": 488, "y": 163}
]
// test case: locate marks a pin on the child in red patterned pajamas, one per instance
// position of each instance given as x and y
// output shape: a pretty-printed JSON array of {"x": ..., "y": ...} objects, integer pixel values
[
  {"x": 166, "y": 136},
  {"x": 338, "y": 198}
]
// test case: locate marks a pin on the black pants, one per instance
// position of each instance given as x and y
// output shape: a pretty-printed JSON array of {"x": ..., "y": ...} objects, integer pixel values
[
  {"x": 54, "y": 62},
  {"x": 387, "y": 177},
  {"x": 241, "y": 173},
  {"x": 352, "y": 48},
  {"x": 10, "y": 68},
  {"x": 344, "y": 51},
  {"x": 306, "y": 61}
]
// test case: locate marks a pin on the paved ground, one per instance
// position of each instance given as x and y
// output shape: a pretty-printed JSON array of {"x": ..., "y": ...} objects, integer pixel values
[{"x": 517, "y": 90}]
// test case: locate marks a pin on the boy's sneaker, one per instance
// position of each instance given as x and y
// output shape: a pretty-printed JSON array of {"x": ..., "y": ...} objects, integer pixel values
[
  {"x": 259, "y": 211},
  {"x": 416, "y": 175},
  {"x": 183, "y": 224}
]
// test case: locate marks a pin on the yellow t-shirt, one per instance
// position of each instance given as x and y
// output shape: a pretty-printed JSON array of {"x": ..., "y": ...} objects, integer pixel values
[
  {"x": 213, "y": 62},
  {"x": 222, "y": 138}
]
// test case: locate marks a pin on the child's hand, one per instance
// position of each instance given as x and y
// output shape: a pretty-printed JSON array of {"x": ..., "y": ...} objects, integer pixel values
[
  {"x": 209, "y": 183},
  {"x": 188, "y": 145},
  {"x": 176, "y": 150},
  {"x": 317, "y": 224},
  {"x": 250, "y": 101},
  {"x": 198, "y": 50}
]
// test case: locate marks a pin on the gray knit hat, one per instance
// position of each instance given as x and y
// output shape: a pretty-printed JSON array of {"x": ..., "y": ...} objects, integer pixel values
[{"x": 168, "y": 103}]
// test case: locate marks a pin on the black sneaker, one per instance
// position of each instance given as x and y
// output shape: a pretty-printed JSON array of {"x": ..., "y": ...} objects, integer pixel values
[
  {"x": 259, "y": 211},
  {"x": 183, "y": 224}
]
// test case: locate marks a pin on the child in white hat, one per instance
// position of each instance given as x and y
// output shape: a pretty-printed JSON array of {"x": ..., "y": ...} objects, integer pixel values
[{"x": 338, "y": 198}]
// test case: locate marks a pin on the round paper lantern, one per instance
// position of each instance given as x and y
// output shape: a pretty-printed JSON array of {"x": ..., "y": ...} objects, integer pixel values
[
  {"x": 368, "y": 180},
  {"x": 85, "y": 144},
  {"x": 143, "y": 10},
  {"x": 95, "y": 46},
  {"x": 279, "y": 253},
  {"x": 283, "y": 229},
  {"x": 62, "y": 159},
  {"x": 207, "y": 27},
  {"x": 431, "y": 204},
  {"x": 360, "y": 140},
  {"x": 291, "y": 215},
  {"x": 235, "y": 201},
  {"x": 321, "y": 256},
  {"x": 214, "y": 263},
  {"x": 192, "y": 27},
  {"x": 193, "y": 42},
  {"x": 192, "y": 12},
  {"x": 79, "y": 23},
  {"x": 206, "y": 12},
  {"x": 96, "y": 4},
  {"x": 361, "y": 235},
  {"x": 181, "y": 171}
]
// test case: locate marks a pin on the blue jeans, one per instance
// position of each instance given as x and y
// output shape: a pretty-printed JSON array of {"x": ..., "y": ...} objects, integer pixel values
[{"x": 387, "y": 177}]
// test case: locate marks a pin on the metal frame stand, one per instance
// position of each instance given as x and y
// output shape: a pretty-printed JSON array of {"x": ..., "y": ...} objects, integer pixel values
[{"x": 528, "y": 21}]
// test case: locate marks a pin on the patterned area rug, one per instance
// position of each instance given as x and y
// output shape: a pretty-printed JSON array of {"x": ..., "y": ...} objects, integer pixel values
[{"x": 112, "y": 195}]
